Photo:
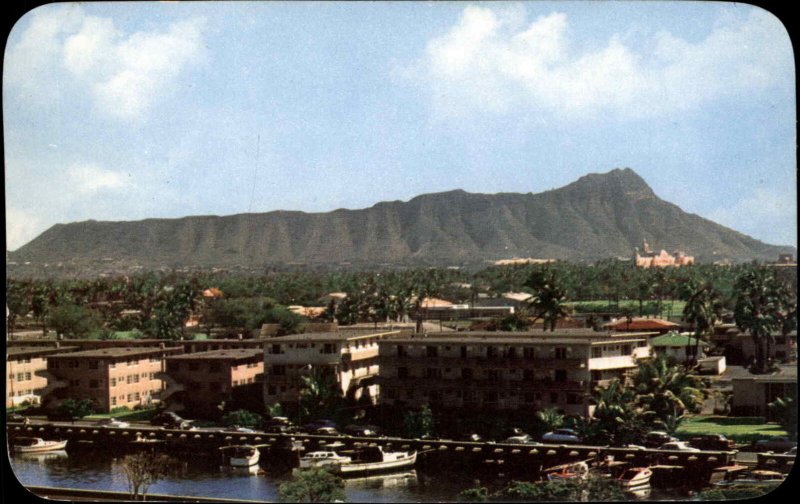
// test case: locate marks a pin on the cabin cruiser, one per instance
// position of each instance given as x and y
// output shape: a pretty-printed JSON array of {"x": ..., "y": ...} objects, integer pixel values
[
  {"x": 635, "y": 477},
  {"x": 37, "y": 445},
  {"x": 575, "y": 470},
  {"x": 363, "y": 461},
  {"x": 741, "y": 475},
  {"x": 241, "y": 456}
]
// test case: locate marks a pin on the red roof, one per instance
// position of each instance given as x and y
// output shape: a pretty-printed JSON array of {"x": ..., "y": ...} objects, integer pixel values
[{"x": 641, "y": 324}]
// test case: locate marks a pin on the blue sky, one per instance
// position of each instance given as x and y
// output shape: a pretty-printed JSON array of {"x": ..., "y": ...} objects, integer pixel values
[{"x": 126, "y": 111}]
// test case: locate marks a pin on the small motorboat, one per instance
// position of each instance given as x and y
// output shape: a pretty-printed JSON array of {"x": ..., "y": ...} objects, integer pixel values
[
  {"x": 575, "y": 470},
  {"x": 737, "y": 475},
  {"x": 635, "y": 477},
  {"x": 241, "y": 455},
  {"x": 37, "y": 445},
  {"x": 364, "y": 461}
]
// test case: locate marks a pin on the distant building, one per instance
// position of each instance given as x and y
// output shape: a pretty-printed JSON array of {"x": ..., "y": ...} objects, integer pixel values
[
  {"x": 660, "y": 326},
  {"x": 676, "y": 346},
  {"x": 26, "y": 368},
  {"x": 110, "y": 377},
  {"x": 518, "y": 260},
  {"x": 350, "y": 358},
  {"x": 491, "y": 371},
  {"x": 752, "y": 394},
  {"x": 198, "y": 382},
  {"x": 649, "y": 259}
]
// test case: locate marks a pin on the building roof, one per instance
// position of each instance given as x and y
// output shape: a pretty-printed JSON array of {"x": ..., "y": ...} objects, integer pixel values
[
  {"x": 223, "y": 354},
  {"x": 331, "y": 336},
  {"x": 30, "y": 351},
  {"x": 518, "y": 296},
  {"x": 432, "y": 302},
  {"x": 672, "y": 339},
  {"x": 641, "y": 324},
  {"x": 213, "y": 292},
  {"x": 308, "y": 311},
  {"x": 116, "y": 352},
  {"x": 516, "y": 338}
]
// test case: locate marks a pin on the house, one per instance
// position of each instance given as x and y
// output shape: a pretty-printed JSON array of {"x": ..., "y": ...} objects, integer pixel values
[
  {"x": 677, "y": 346},
  {"x": 636, "y": 324}
]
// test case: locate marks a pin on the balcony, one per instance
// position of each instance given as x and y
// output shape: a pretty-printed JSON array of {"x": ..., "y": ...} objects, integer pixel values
[
  {"x": 473, "y": 384},
  {"x": 53, "y": 382},
  {"x": 172, "y": 386},
  {"x": 485, "y": 362}
]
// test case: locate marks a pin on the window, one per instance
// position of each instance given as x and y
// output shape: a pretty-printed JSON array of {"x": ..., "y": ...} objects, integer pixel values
[
  {"x": 573, "y": 399},
  {"x": 490, "y": 396},
  {"x": 491, "y": 352},
  {"x": 27, "y": 376},
  {"x": 597, "y": 352},
  {"x": 553, "y": 397},
  {"x": 493, "y": 374},
  {"x": 470, "y": 395},
  {"x": 136, "y": 378},
  {"x": 93, "y": 384},
  {"x": 113, "y": 382},
  {"x": 214, "y": 386},
  {"x": 194, "y": 366},
  {"x": 271, "y": 389},
  {"x": 328, "y": 348},
  {"x": 136, "y": 396},
  {"x": 276, "y": 349},
  {"x": 626, "y": 350},
  {"x": 401, "y": 351},
  {"x": 214, "y": 367},
  {"x": 561, "y": 353},
  {"x": 433, "y": 373},
  {"x": 527, "y": 352},
  {"x": 53, "y": 364},
  {"x": 130, "y": 397},
  {"x": 561, "y": 375},
  {"x": 112, "y": 365},
  {"x": 402, "y": 372},
  {"x": 528, "y": 375},
  {"x": 92, "y": 364},
  {"x": 129, "y": 379},
  {"x": 20, "y": 376},
  {"x": 113, "y": 401},
  {"x": 512, "y": 353},
  {"x": 279, "y": 370},
  {"x": 530, "y": 397},
  {"x": 431, "y": 351},
  {"x": 466, "y": 373},
  {"x": 597, "y": 375}
]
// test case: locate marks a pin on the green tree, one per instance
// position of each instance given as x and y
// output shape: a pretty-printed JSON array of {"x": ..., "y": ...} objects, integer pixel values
[
  {"x": 73, "y": 321},
  {"x": 313, "y": 485},
  {"x": 477, "y": 494},
  {"x": 76, "y": 408},
  {"x": 784, "y": 411},
  {"x": 418, "y": 424},
  {"x": 320, "y": 395},
  {"x": 617, "y": 419},
  {"x": 549, "y": 419},
  {"x": 548, "y": 300},
  {"x": 702, "y": 310},
  {"x": 757, "y": 311},
  {"x": 666, "y": 392},
  {"x": 242, "y": 418}
]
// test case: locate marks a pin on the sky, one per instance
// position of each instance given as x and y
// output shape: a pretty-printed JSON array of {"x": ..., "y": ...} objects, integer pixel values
[{"x": 127, "y": 111}]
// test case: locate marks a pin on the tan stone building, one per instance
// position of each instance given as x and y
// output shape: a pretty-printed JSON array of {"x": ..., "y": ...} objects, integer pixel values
[
  {"x": 505, "y": 370},
  {"x": 351, "y": 358},
  {"x": 647, "y": 258},
  {"x": 26, "y": 368},
  {"x": 111, "y": 377},
  {"x": 198, "y": 382}
]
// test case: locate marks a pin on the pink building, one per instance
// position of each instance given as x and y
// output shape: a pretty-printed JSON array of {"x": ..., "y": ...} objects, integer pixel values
[{"x": 649, "y": 259}]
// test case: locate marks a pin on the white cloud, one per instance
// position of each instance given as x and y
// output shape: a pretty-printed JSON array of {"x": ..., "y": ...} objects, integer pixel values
[
  {"x": 21, "y": 227},
  {"x": 487, "y": 64},
  {"x": 88, "y": 178},
  {"x": 124, "y": 74},
  {"x": 768, "y": 214}
]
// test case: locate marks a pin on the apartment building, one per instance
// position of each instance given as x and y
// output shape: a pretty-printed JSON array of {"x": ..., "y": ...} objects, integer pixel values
[
  {"x": 111, "y": 377},
  {"x": 349, "y": 357},
  {"x": 26, "y": 367},
  {"x": 505, "y": 370},
  {"x": 199, "y": 382}
]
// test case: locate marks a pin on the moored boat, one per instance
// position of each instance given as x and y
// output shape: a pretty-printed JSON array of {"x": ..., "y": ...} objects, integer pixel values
[
  {"x": 241, "y": 455},
  {"x": 362, "y": 461},
  {"x": 635, "y": 477},
  {"x": 38, "y": 445},
  {"x": 740, "y": 475},
  {"x": 574, "y": 470}
]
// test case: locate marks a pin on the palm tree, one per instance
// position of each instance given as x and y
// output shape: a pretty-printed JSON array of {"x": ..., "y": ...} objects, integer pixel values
[
  {"x": 617, "y": 418},
  {"x": 548, "y": 302},
  {"x": 758, "y": 305},
  {"x": 702, "y": 310},
  {"x": 550, "y": 418},
  {"x": 667, "y": 392}
]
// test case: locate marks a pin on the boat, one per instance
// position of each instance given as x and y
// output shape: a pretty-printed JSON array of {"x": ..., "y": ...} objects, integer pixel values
[
  {"x": 573, "y": 470},
  {"x": 241, "y": 455},
  {"x": 363, "y": 461},
  {"x": 635, "y": 477},
  {"x": 38, "y": 445},
  {"x": 735, "y": 475}
]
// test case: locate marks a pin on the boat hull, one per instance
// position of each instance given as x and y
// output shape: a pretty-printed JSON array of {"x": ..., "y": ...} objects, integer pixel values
[{"x": 48, "y": 446}]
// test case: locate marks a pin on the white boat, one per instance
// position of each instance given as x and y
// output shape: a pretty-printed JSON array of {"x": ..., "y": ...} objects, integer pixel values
[
  {"x": 574, "y": 470},
  {"x": 38, "y": 445},
  {"x": 737, "y": 475},
  {"x": 635, "y": 477},
  {"x": 363, "y": 461},
  {"x": 241, "y": 456}
]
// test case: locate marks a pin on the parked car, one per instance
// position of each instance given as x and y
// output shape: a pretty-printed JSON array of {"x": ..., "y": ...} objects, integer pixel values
[
  {"x": 362, "y": 430},
  {"x": 678, "y": 446},
  {"x": 317, "y": 424},
  {"x": 171, "y": 420},
  {"x": 326, "y": 431},
  {"x": 474, "y": 437},
  {"x": 113, "y": 422},
  {"x": 521, "y": 439},
  {"x": 712, "y": 442},
  {"x": 561, "y": 436},
  {"x": 237, "y": 428},
  {"x": 776, "y": 444},
  {"x": 15, "y": 417},
  {"x": 791, "y": 451},
  {"x": 654, "y": 439}
]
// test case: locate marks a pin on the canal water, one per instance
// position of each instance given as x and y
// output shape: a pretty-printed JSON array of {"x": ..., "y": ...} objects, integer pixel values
[{"x": 200, "y": 475}]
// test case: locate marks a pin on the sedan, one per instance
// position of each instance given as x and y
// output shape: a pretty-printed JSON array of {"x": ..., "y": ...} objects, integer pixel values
[
  {"x": 678, "y": 446},
  {"x": 561, "y": 436},
  {"x": 776, "y": 444},
  {"x": 113, "y": 422}
]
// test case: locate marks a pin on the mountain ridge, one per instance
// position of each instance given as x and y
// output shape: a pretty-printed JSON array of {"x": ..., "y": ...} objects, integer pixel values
[{"x": 596, "y": 216}]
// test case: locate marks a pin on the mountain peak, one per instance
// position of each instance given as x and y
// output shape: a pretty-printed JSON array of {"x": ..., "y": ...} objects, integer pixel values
[{"x": 619, "y": 181}]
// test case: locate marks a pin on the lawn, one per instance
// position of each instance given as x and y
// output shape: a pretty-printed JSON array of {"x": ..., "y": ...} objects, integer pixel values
[
  {"x": 739, "y": 429},
  {"x": 672, "y": 307},
  {"x": 142, "y": 414}
]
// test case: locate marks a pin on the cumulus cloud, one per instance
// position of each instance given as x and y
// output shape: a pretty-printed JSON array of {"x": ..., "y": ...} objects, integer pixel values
[
  {"x": 88, "y": 178},
  {"x": 485, "y": 63},
  {"x": 124, "y": 74},
  {"x": 21, "y": 227}
]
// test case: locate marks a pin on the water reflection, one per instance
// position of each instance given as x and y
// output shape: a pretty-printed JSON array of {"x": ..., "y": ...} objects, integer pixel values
[{"x": 393, "y": 480}]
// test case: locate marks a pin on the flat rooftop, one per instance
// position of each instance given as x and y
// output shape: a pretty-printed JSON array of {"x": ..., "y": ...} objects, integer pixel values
[
  {"x": 30, "y": 351},
  {"x": 116, "y": 352},
  {"x": 515, "y": 338},
  {"x": 331, "y": 336},
  {"x": 225, "y": 354}
]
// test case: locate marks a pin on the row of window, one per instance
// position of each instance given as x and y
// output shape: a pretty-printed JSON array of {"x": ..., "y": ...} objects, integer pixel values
[
  {"x": 487, "y": 396},
  {"x": 134, "y": 378},
  {"x": 559, "y": 375},
  {"x": 213, "y": 367},
  {"x": 326, "y": 348},
  {"x": 135, "y": 396},
  {"x": 243, "y": 381},
  {"x": 490, "y": 352},
  {"x": 95, "y": 364},
  {"x": 20, "y": 376}
]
